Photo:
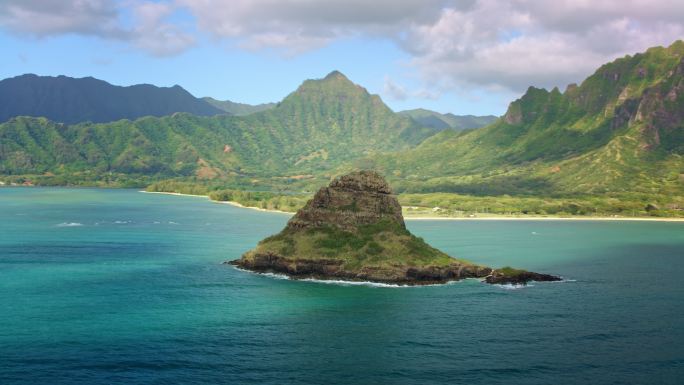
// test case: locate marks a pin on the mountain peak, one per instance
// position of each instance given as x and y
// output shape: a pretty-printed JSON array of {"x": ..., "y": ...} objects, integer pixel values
[
  {"x": 334, "y": 84},
  {"x": 336, "y": 75},
  {"x": 352, "y": 200}
]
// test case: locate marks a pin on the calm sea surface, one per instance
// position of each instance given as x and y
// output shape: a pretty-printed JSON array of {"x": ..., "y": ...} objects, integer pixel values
[{"x": 116, "y": 286}]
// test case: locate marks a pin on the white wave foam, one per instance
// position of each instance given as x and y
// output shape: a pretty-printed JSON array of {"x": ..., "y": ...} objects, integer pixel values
[
  {"x": 510, "y": 286},
  {"x": 122, "y": 222},
  {"x": 69, "y": 224},
  {"x": 564, "y": 281},
  {"x": 352, "y": 283}
]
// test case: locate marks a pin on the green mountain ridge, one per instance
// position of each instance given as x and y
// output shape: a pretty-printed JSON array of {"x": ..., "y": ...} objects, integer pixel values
[
  {"x": 620, "y": 131},
  {"x": 238, "y": 109},
  {"x": 321, "y": 125},
  {"x": 438, "y": 121}
]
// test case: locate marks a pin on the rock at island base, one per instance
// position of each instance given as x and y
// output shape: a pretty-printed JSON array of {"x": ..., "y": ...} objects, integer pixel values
[
  {"x": 354, "y": 230},
  {"x": 520, "y": 278}
]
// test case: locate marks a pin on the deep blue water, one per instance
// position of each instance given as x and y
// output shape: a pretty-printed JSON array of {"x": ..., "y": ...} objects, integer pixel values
[{"x": 116, "y": 286}]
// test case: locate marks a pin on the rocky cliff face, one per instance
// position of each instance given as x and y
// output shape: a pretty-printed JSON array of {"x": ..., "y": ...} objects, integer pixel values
[
  {"x": 354, "y": 230},
  {"x": 353, "y": 200}
]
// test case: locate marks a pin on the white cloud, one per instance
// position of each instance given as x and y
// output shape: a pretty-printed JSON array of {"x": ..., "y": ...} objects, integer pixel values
[
  {"x": 101, "y": 18},
  {"x": 394, "y": 90},
  {"x": 507, "y": 44},
  {"x": 151, "y": 33},
  {"x": 45, "y": 18},
  {"x": 453, "y": 44},
  {"x": 297, "y": 26},
  {"x": 517, "y": 43}
]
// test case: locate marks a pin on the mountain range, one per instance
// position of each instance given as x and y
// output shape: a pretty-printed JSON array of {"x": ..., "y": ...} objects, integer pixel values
[
  {"x": 620, "y": 131},
  {"x": 318, "y": 127},
  {"x": 69, "y": 100}
]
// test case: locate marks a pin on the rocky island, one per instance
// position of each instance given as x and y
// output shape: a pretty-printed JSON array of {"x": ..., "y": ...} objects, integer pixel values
[{"x": 354, "y": 230}]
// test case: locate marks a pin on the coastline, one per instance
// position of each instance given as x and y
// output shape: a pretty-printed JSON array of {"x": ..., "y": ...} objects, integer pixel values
[
  {"x": 174, "y": 193},
  {"x": 547, "y": 218},
  {"x": 408, "y": 217},
  {"x": 236, "y": 204}
]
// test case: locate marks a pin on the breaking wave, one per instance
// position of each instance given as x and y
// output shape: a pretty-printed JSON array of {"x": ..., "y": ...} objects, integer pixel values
[{"x": 69, "y": 224}]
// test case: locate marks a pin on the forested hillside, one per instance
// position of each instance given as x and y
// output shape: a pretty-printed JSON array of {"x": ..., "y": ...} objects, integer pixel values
[
  {"x": 321, "y": 125},
  {"x": 621, "y": 130}
]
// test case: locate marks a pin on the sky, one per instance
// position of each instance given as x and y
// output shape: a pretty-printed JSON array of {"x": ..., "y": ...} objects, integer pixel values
[{"x": 464, "y": 57}]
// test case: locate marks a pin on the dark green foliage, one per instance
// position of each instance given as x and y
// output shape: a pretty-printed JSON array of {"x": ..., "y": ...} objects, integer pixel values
[
  {"x": 508, "y": 271},
  {"x": 382, "y": 226},
  {"x": 373, "y": 248},
  {"x": 418, "y": 246},
  {"x": 336, "y": 239}
]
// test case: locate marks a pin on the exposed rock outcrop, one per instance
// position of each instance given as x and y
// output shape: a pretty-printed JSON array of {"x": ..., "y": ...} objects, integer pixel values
[
  {"x": 353, "y": 200},
  {"x": 519, "y": 277},
  {"x": 354, "y": 230}
]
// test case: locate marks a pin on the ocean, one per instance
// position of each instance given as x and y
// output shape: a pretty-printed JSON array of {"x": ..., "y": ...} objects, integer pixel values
[{"x": 105, "y": 286}]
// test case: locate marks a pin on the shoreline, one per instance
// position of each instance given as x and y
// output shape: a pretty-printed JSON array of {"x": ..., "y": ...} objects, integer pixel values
[
  {"x": 236, "y": 204},
  {"x": 408, "y": 217},
  {"x": 533, "y": 218}
]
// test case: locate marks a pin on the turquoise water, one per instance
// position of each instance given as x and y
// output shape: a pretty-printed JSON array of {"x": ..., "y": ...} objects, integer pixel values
[{"x": 115, "y": 286}]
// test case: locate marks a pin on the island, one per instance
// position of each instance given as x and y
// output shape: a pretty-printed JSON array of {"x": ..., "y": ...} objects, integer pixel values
[{"x": 354, "y": 230}]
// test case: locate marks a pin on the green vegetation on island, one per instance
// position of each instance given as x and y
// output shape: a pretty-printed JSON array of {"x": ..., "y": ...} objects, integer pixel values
[
  {"x": 381, "y": 243},
  {"x": 354, "y": 230}
]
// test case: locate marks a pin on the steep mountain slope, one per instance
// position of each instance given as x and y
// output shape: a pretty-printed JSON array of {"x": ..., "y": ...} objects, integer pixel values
[
  {"x": 329, "y": 121},
  {"x": 316, "y": 128},
  {"x": 69, "y": 100},
  {"x": 437, "y": 121},
  {"x": 239, "y": 109},
  {"x": 621, "y": 130}
]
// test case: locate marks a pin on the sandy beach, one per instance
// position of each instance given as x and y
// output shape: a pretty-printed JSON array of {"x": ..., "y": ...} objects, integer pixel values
[
  {"x": 236, "y": 204},
  {"x": 547, "y": 218}
]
